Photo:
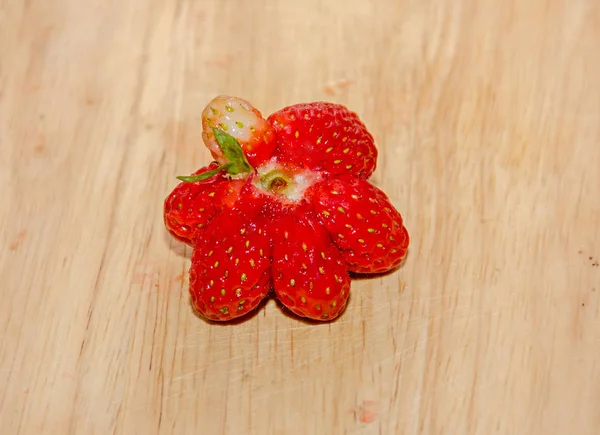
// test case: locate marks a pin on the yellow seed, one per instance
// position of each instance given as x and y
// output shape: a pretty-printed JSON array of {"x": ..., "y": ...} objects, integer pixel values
[
  {"x": 238, "y": 293},
  {"x": 229, "y": 249},
  {"x": 259, "y": 231},
  {"x": 333, "y": 192},
  {"x": 200, "y": 225},
  {"x": 355, "y": 197},
  {"x": 285, "y": 235},
  {"x": 393, "y": 251},
  {"x": 243, "y": 230},
  {"x": 306, "y": 116},
  {"x": 384, "y": 225},
  {"x": 372, "y": 200},
  {"x": 222, "y": 292},
  {"x": 224, "y": 126},
  {"x": 297, "y": 134},
  {"x": 240, "y": 307},
  {"x": 239, "y": 124},
  {"x": 341, "y": 210},
  {"x": 260, "y": 252},
  {"x": 251, "y": 262},
  {"x": 237, "y": 261},
  {"x": 348, "y": 226},
  {"x": 335, "y": 134},
  {"x": 328, "y": 150},
  {"x": 201, "y": 210},
  {"x": 310, "y": 285},
  {"x": 344, "y": 139},
  {"x": 359, "y": 154},
  {"x": 226, "y": 274},
  {"x": 211, "y": 194},
  {"x": 346, "y": 150},
  {"x": 359, "y": 216},
  {"x": 304, "y": 247},
  {"x": 371, "y": 230},
  {"x": 392, "y": 238},
  {"x": 373, "y": 212},
  {"x": 349, "y": 167},
  {"x": 327, "y": 290},
  {"x": 243, "y": 277},
  {"x": 211, "y": 283},
  {"x": 212, "y": 298},
  {"x": 216, "y": 264},
  {"x": 304, "y": 266},
  {"x": 323, "y": 255},
  {"x": 210, "y": 253},
  {"x": 247, "y": 243},
  {"x": 318, "y": 307},
  {"x": 321, "y": 271},
  {"x": 214, "y": 111},
  {"x": 337, "y": 162},
  {"x": 292, "y": 282},
  {"x": 224, "y": 310},
  {"x": 326, "y": 213},
  {"x": 379, "y": 245},
  {"x": 333, "y": 304},
  {"x": 361, "y": 241},
  {"x": 303, "y": 299},
  {"x": 324, "y": 315},
  {"x": 340, "y": 236},
  {"x": 229, "y": 108},
  {"x": 319, "y": 139}
]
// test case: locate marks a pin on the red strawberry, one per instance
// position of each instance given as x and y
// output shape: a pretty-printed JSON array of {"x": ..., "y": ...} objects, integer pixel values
[
  {"x": 309, "y": 274},
  {"x": 325, "y": 137},
  {"x": 230, "y": 271},
  {"x": 298, "y": 222},
  {"x": 190, "y": 206},
  {"x": 362, "y": 222},
  {"x": 239, "y": 119}
]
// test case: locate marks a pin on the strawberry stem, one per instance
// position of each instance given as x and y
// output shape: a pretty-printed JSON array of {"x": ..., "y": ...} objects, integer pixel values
[
  {"x": 234, "y": 154},
  {"x": 274, "y": 181}
]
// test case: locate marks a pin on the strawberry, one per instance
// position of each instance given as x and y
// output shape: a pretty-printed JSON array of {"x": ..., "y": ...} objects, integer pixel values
[
  {"x": 297, "y": 217},
  {"x": 362, "y": 223},
  {"x": 230, "y": 270},
  {"x": 325, "y": 137},
  {"x": 309, "y": 274},
  {"x": 190, "y": 206},
  {"x": 242, "y": 121}
]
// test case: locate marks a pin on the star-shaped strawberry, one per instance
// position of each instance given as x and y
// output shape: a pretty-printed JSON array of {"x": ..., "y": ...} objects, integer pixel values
[{"x": 285, "y": 206}]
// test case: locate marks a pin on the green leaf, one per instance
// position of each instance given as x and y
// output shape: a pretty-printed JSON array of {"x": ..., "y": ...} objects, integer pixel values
[
  {"x": 233, "y": 151},
  {"x": 205, "y": 175}
]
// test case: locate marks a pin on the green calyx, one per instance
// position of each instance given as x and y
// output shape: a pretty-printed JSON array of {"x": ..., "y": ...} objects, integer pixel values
[{"x": 232, "y": 150}]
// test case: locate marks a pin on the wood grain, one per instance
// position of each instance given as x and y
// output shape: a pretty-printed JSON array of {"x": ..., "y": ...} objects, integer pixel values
[{"x": 487, "y": 118}]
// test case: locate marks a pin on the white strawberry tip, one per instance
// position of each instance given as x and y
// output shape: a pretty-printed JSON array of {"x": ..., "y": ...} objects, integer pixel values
[{"x": 286, "y": 184}]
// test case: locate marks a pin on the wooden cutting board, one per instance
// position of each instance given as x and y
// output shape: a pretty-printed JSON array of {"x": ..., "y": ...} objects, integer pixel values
[{"x": 487, "y": 120}]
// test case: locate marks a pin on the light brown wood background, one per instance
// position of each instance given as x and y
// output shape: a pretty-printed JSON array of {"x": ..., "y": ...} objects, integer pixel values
[{"x": 487, "y": 117}]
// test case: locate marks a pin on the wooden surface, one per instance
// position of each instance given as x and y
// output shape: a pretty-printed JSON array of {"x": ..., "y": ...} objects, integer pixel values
[{"x": 487, "y": 118}]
